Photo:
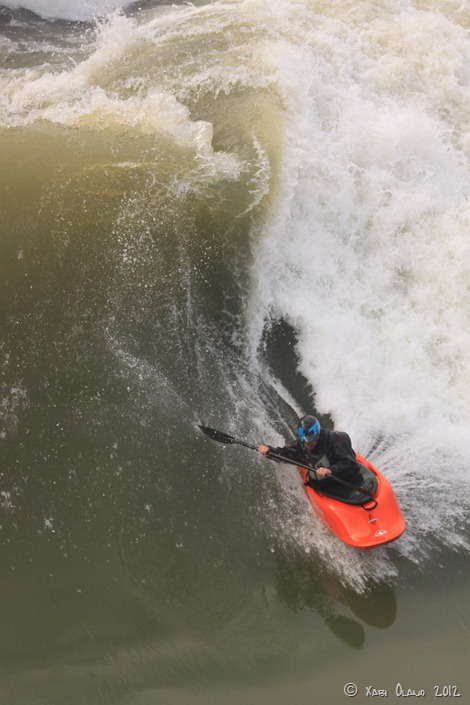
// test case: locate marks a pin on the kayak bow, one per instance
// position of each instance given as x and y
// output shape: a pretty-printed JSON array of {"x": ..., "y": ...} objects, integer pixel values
[{"x": 365, "y": 525}]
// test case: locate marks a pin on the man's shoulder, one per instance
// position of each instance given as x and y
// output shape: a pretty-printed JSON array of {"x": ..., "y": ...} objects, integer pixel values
[
  {"x": 333, "y": 432},
  {"x": 328, "y": 433},
  {"x": 334, "y": 436}
]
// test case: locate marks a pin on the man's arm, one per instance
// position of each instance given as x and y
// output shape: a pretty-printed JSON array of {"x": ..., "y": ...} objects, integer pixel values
[
  {"x": 289, "y": 452},
  {"x": 345, "y": 457}
]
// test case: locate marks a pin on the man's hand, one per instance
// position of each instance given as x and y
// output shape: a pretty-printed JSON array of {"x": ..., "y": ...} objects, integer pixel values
[
  {"x": 264, "y": 450},
  {"x": 323, "y": 472}
]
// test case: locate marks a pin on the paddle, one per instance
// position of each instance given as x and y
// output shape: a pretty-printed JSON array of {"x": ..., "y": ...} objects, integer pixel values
[{"x": 221, "y": 437}]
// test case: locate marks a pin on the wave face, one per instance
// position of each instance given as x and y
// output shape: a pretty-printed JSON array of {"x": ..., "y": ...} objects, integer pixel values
[{"x": 232, "y": 213}]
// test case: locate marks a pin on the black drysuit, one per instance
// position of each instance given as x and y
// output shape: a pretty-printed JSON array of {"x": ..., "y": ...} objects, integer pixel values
[{"x": 333, "y": 450}]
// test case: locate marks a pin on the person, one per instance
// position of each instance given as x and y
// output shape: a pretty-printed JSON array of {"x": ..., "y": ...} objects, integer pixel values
[{"x": 329, "y": 452}]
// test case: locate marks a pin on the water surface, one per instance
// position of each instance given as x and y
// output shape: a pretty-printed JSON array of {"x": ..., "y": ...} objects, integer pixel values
[{"x": 230, "y": 213}]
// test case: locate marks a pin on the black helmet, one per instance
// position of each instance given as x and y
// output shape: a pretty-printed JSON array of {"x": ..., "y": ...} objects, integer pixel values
[{"x": 308, "y": 429}]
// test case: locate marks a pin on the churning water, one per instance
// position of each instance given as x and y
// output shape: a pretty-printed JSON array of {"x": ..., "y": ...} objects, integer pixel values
[{"x": 229, "y": 213}]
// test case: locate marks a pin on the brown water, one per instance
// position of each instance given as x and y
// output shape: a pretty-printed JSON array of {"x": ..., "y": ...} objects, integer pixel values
[{"x": 231, "y": 214}]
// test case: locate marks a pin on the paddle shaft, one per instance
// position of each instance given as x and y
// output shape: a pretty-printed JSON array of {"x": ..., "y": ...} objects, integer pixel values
[
  {"x": 340, "y": 480},
  {"x": 221, "y": 437}
]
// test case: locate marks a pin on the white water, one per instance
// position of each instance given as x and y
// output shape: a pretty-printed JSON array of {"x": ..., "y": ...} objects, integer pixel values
[
  {"x": 73, "y": 10},
  {"x": 365, "y": 248},
  {"x": 367, "y": 252}
]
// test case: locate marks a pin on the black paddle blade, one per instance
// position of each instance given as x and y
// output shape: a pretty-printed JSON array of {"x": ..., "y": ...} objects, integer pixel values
[{"x": 218, "y": 436}]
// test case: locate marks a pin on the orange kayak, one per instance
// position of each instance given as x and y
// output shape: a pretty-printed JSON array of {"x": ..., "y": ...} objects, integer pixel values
[{"x": 355, "y": 518}]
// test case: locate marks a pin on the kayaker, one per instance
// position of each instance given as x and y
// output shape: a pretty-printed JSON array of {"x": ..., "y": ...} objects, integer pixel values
[{"x": 329, "y": 452}]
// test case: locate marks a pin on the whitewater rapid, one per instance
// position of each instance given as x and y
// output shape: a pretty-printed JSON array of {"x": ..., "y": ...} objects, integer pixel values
[
  {"x": 366, "y": 253},
  {"x": 353, "y": 143}
]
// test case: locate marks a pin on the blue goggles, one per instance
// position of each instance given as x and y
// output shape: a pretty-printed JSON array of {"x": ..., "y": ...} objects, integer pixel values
[{"x": 310, "y": 434}]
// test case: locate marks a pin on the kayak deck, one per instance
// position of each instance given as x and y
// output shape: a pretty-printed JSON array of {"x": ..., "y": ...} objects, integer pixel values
[{"x": 373, "y": 524}]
